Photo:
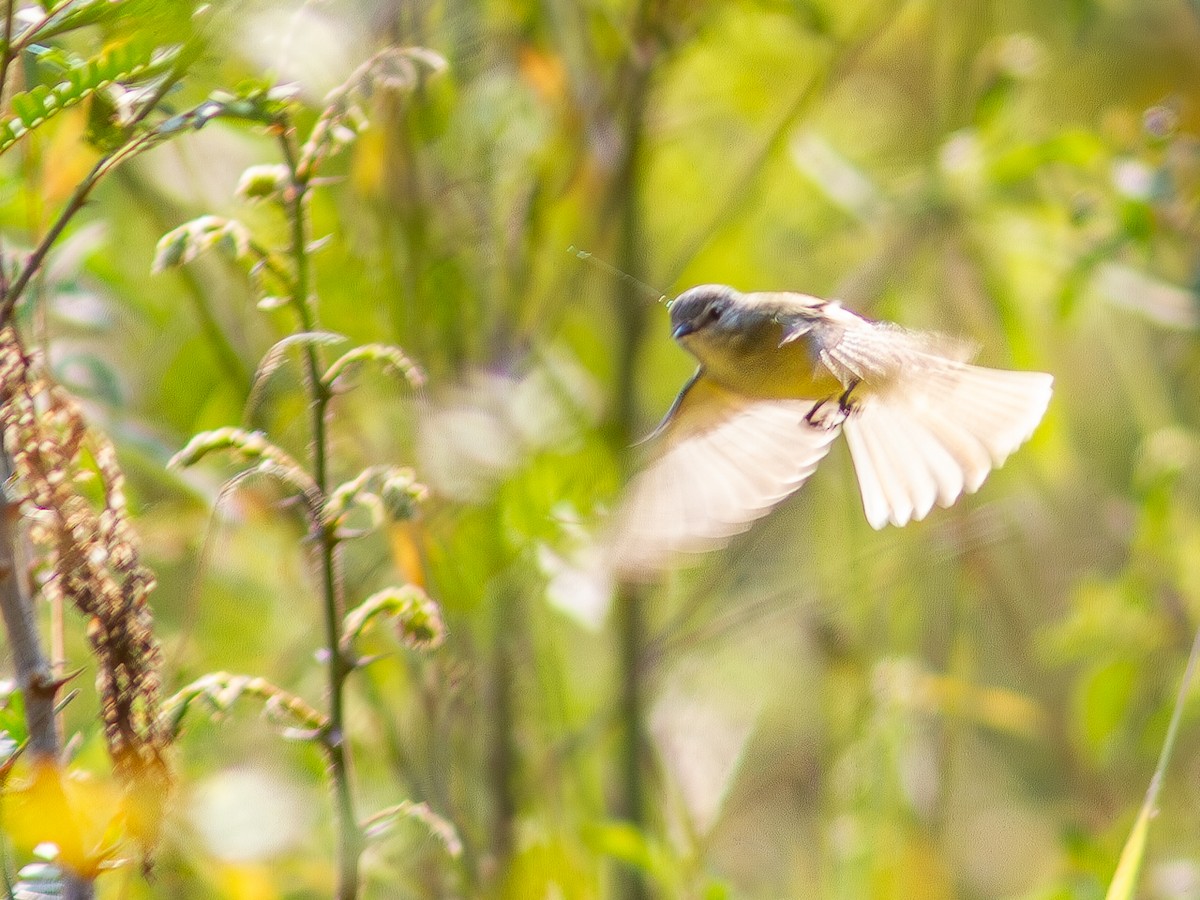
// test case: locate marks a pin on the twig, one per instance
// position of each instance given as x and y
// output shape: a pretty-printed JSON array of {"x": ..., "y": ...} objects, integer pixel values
[
  {"x": 6, "y": 55},
  {"x": 34, "y": 676}
]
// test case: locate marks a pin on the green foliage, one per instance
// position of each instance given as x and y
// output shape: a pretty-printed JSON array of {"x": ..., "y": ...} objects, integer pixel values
[
  {"x": 219, "y": 691},
  {"x": 417, "y": 618},
  {"x": 393, "y": 489},
  {"x": 378, "y": 825},
  {"x": 183, "y": 244},
  {"x": 145, "y": 18},
  {"x": 13, "y": 732},
  {"x": 391, "y": 493},
  {"x": 81, "y": 79},
  {"x": 390, "y": 358},
  {"x": 249, "y": 446}
]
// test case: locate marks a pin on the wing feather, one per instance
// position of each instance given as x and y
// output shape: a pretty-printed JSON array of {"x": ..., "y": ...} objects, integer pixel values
[
  {"x": 722, "y": 461},
  {"x": 930, "y": 427}
]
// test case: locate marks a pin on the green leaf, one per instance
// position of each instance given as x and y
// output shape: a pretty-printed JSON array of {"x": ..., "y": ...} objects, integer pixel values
[
  {"x": 389, "y": 492},
  {"x": 381, "y": 823},
  {"x": 132, "y": 61},
  {"x": 250, "y": 446},
  {"x": 397, "y": 69},
  {"x": 263, "y": 182},
  {"x": 104, "y": 131},
  {"x": 625, "y": 842},
  {"x": 391, "y": 358},
  {"x": 29, "y": 106},
  {"x": 14, "y": 727},
  {"x": 274, "y": 359},
  {"x": 219, "y": 691},
  {"x": 169, "y": 20},
  {"x": 1104, "y": 701},
  {"x": 183, "y": 244},
  {"x": 418, "y": 618}
]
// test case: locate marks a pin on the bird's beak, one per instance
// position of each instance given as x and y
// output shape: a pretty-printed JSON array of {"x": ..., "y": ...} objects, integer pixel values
[{"x": 683, "y": 329}]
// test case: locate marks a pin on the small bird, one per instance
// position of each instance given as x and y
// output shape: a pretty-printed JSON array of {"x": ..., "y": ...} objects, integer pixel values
[{"x": 780, "y": 375}]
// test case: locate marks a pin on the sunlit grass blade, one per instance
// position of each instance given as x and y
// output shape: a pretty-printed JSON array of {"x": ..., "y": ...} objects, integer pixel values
[{"x": 1129, "y": 866}]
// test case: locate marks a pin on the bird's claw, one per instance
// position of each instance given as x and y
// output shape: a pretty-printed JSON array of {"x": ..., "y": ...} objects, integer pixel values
[
  {"x": 827, "y": 415},
  {"x": 845, "y": 404}
]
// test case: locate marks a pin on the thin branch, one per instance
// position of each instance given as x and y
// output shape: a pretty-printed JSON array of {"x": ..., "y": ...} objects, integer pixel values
[
  {"x": 35, "y": 678},
  {"x": 6, "y": 54},
  {"x": 34, "y": 675}
]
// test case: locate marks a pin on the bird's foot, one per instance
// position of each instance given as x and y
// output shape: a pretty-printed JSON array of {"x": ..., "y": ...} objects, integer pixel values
[
  {"x": 825, "y": 415},
  {"x": 845, "y": 403}
]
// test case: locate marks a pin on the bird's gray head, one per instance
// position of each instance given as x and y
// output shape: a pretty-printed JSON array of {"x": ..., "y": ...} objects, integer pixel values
[{"x": 709, "y": 307}]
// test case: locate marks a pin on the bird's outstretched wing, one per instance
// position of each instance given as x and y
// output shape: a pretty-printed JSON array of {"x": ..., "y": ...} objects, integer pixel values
[
  {"x": 720, "y": 461},
  {"x": 927, "y": 426}
]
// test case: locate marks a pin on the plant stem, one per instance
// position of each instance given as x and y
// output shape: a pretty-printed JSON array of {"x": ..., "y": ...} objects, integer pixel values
[
  {"x": 349, "y": 834},
  {"x": 631, "y": 622},
  {"x": 6, "y": 54},
  {"x": 502, "y": 749},
  {"x": 34, "y": 676},
  {"x": 630, "y": 615}
]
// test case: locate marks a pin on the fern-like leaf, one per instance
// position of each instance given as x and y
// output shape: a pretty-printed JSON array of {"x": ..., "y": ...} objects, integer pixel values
[{"x": 127, "y": 62}]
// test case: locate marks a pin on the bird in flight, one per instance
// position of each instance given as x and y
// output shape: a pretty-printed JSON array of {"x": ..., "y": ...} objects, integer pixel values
[{"x": 780, "y": 376}]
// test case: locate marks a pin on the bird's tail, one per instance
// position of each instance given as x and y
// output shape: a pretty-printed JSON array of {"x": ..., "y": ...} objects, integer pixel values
[{"x": 937, "y": 433}]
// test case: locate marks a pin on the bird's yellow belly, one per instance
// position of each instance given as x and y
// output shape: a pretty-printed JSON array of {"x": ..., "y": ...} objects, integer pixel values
[{"x": 767, "y": 370}]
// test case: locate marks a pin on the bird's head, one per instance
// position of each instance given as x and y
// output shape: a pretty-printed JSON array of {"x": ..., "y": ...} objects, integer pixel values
[{"x": 707, "y": 310}]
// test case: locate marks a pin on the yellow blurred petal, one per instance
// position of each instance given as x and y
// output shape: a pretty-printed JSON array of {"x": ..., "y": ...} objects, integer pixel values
[
  {"x": 247, "y": 881},
  {"x": 370, "y": 161},
  {"x": 73, "y": 811},
  {"x": 144, "y": 803},
  {"x": 405, "y": 540},
  {"x": 544, "y": 72},
  {"x": 67, "y": 157},
  {"x": 997, "y": 708},
  {"x": 912, "y": 869}
]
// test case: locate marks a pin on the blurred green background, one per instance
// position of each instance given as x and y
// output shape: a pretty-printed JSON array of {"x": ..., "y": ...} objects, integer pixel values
[{"x": 968, "y": 707}]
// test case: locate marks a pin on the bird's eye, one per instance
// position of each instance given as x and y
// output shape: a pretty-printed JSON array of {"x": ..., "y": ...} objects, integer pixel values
[{"x": 715, "y": 312}]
